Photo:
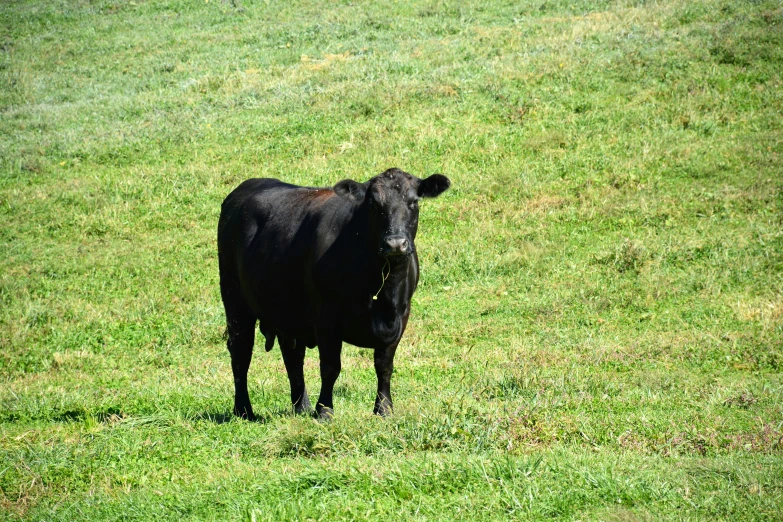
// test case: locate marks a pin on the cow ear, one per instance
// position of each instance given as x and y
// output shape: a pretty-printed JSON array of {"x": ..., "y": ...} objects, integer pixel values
[
  {"x": 433, "y": 186},
  {"x": 350, "y": 189}
]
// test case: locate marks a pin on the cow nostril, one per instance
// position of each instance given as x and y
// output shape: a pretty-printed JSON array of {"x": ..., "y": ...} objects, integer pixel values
[{"x": 397, "y": 244}]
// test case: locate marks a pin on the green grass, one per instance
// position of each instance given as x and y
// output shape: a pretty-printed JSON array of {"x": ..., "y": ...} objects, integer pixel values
[{"x": 598, "y": 333}]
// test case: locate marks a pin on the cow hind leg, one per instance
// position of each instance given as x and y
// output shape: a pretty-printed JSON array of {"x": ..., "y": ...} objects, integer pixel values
[
  {"x": 293, "y": 356},
  {"x": 240, "y": 332}
]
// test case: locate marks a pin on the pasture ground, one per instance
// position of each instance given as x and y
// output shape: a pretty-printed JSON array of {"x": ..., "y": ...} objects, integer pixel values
[{"x": 598, "y": 334}]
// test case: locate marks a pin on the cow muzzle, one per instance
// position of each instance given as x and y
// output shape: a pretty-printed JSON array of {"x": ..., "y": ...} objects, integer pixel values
[{"x": 396, "y": 246}]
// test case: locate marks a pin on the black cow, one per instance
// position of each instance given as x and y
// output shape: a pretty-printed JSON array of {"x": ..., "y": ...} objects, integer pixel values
[{"x": 316, "y": 267}]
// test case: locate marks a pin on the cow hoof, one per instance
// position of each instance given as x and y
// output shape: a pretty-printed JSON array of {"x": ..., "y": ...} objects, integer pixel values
[
  {"x": 383, "y": 406},
  {"x": 244, "y": 413},
  {"x": 383, "y": 411},
  {"x": 303, "y": 406},
  {"x": 324, "y": 413}
]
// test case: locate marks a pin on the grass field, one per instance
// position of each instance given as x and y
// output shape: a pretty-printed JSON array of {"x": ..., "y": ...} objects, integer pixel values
[{"x": 598, "y": 332}]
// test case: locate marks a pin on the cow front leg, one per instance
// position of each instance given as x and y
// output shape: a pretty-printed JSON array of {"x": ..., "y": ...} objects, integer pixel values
[
  {"x": 293, "y": 357},
  {"x": 329, "y": 352},
  {"x": 384, "y": 366}
]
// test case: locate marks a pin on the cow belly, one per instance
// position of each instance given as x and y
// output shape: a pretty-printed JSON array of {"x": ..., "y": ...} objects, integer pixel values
[
  {"x": 287, "y": 322},
  {"x": 297, "y": 319},
  {"x": 280, "y": 304}
]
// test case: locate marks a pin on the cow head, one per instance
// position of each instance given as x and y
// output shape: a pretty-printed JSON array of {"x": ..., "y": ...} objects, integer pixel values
[{"x": 392, "y": 202}]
